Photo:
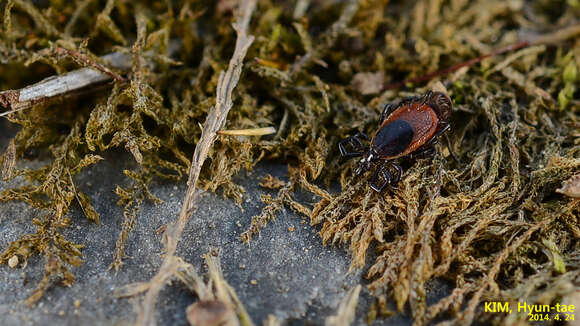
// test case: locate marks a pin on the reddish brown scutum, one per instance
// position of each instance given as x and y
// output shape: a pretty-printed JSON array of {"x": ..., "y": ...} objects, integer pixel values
[{"x": 422, "y": 118}]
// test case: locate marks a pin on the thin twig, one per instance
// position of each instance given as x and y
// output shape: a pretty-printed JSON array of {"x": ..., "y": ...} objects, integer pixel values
[
  {"x": 72, "y": 83},
  {"x": 3, "y": 114},
  {"x": 282, "y": 125},
  {"x": 456, "y": 67},
  {"x": 51, "y": 87},
  {"x": 224, "y": 292},
  {"x": 555, "y": 37},
  {"x": 332, "y": 34},
  {"x": 218, "y": 303},
  {"x": 72, "y": 183},
  {"x": 214, "y": 122},
  {"x": 9, "y": 161},
  {"x": 84, "y": 59},
  {"x": 346, "y": 310},
  {"x": 82, "y": 6},
  {"x": 544, "y": 39}
]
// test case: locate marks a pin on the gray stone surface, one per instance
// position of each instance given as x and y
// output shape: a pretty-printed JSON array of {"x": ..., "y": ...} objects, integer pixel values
[{"x": 298, "y": 279}]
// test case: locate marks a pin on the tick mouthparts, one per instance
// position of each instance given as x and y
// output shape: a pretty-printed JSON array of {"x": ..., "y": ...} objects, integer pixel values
[
  {"x": 362, "y": 167},
  {"x": 359, "y": 167}
]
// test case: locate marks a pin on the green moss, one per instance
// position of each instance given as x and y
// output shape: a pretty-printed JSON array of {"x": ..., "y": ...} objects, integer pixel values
[{"x": 482, "y": 223}]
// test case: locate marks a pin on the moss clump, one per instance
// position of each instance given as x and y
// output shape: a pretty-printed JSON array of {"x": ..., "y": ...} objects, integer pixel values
[{"x": 492, "y": 224}]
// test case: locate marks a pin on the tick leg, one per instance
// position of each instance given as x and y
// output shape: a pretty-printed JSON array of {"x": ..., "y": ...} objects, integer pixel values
[
  {"x": 450, "y": 149},
  {"x": 399, "y": 174},
  {"x": 386, "y": 176},
  {"x": 387, "y": 110},
  {"x": 362, "y": 135},
  {"x": 427, "y": 150},
  {"x": 427, "y": 97},
  {"x": 356, "y": 143},
  {"x": 344, "y": 152},
  {"x": 444, "y": 127},
  {"x": 423, "y": 152},
  {"x": 408, "y": 100},
  {"x": 441, "y": 129}
]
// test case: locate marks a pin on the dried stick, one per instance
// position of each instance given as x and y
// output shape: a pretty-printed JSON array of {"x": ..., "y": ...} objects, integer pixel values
[
  {"x": 71, "y": 82},
  {"x": 351, "y": 8},
  {"x": 9, "y": 161},
  {"x": 545, "y": 39},
  {"x": 74, "y": 82},
  {"x": 456, "y": 67},
  {"x": 84, "y": 59},
  {"x": 214, "y": 122},
  {"x": 218, "y": 302},
  {"x": 346, "y": 310}
]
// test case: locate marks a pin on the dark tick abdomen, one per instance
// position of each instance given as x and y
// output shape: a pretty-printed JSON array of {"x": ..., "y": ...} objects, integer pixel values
[
  {"x": 393, "y": 138},
  {"x": 422, "y": 120}
]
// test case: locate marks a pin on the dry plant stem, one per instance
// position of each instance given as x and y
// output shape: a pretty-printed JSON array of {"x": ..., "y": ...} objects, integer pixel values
[
  {"x": 544, "y": 39},
  {"x": 224, "y": 292},
  {"x": 82, "y": 6},
  {"x": 468, "y": 63},
  {"x": 216, "y": 291},
  {"x": 214, "y": 122},
  {"x": 54, "y": 86},
  {"x": 310, "y": 57},
  {"x": 556, "y": 36},
  {"x": 271, "y": 320},
  {"x": 194, "y": 282},
  {"x": 72, "y": 83},
  {"x": 9, "y": 161},
  {"x": 346, "y": 310},
  {"x": 89, "y": 62}
]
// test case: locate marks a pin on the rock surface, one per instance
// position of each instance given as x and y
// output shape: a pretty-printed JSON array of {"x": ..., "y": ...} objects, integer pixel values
[{"x": 282, "y": 272}]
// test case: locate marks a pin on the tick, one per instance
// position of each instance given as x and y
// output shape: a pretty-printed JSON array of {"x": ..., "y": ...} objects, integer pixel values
[{"x": 409, "y": 129}]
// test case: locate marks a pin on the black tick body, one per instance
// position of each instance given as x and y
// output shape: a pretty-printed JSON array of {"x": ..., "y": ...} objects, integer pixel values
[{"x": 407, "y": 130}]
